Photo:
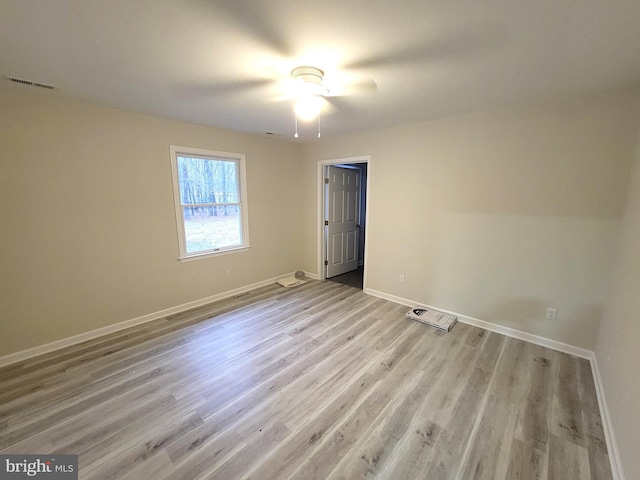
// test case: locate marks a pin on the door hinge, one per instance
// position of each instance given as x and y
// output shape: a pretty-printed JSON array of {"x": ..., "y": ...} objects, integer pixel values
[
  {"x": 326, "y": 262},
  {"x": 326, "y": 222},
  {"x": 326, "y": 180}
]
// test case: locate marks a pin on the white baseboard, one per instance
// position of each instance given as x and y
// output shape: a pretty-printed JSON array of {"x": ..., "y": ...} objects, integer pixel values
[
  {"x": 612, "y": 445},
  {"x": 90, "y": 335},
  {"x": 494, "y": 327},
  {"x": 313, "y": 276}
]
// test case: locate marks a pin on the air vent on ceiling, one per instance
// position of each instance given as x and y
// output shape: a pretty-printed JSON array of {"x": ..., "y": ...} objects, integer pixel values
[{"x": 31, "y": 83}]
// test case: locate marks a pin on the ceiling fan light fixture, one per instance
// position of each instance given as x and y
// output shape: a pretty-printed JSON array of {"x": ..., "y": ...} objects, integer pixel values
[
  {"x": 308, "y": 108},
  {"x": 308, "y": 81},
  {"x": 309, "y": 92}
]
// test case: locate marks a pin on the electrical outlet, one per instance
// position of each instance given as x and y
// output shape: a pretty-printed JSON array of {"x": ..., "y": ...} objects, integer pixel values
[
  {"x": 227, "y": 273},
  {"x": 401, "y": 278},
  {"x": 552, "y": 313}
]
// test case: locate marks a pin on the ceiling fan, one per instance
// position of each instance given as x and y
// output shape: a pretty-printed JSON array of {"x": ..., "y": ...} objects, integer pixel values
[
  {"x": 309, "y": 91},
  {"x": 311, "y": 94},
  {"x": 314, "y": 86},
  {"x": 307, "y": 87}
]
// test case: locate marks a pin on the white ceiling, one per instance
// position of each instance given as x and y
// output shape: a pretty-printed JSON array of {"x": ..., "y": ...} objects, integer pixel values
[{"x": 224, "y": 63}]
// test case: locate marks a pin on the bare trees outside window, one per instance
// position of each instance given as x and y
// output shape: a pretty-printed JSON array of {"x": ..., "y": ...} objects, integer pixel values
[{"x": 210, "y": 201}]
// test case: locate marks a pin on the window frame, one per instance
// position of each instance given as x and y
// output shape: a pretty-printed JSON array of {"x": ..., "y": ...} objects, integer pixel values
[{"x": 178, "y": 151}]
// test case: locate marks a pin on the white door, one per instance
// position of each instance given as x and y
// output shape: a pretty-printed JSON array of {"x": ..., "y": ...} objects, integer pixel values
[{"x": 343, "y": 204}]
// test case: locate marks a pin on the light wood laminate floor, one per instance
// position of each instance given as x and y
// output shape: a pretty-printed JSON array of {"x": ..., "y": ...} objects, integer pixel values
[{"x": 319, "y": 381}]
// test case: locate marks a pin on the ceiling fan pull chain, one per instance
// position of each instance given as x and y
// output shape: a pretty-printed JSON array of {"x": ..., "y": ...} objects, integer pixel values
[
  {"x": 295, "y": 135},
  {"x": 318, "y": 126}
]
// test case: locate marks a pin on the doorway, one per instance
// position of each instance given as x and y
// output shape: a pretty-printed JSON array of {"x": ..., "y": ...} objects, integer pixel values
[{"x": 342, "y": 211}]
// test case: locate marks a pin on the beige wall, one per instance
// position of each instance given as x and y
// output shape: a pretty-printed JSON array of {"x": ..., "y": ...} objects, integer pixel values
[
  {"x": 88, "y": 223},
  {"x": 620, "y": 333},
  {"x": 497, "y": 215}
]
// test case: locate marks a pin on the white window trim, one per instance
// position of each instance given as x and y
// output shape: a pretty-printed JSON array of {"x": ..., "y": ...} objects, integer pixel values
[{"x": 183, "y": 256}]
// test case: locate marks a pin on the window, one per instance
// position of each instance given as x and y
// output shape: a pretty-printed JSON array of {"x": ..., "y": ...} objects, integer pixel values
[{"x": 211, "y": 202}]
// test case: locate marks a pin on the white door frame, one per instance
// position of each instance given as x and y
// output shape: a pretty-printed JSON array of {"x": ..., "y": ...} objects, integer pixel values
[{"x": 321, "y": 244}]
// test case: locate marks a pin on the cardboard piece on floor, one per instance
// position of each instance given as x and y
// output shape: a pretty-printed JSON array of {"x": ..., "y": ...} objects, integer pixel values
[{"x": 433, "y": 318}]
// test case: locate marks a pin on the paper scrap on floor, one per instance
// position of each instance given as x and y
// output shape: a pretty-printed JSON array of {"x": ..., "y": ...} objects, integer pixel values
[
  {"x": 291, "y": 281},
  {"x": 433, "y": 318}
]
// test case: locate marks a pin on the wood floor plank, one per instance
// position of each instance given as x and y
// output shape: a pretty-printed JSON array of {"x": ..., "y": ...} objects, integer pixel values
[
  {"x": 257, "y": 447},
  {"x": 567, "y": 415},
  {"x": 599, "y": 464},
  {"x": 157, "y": 468},
  {"x": 398, "y": 380},
  {"x": 412, "y": 454},
  {"x": 286, "y": 372},
  {"x": 374, "y": 452},
  {"x": 111, "y": 459},
  {"x": 289, "y": 456},
  {"x": 533, "y": 421},
  {"x": 513, "y": 375},
  {"x": 293, "y": 409},
  {"x": 526, "y": 462},
  {"x": 490, "y": 457},
  {"x": 199, "y": 461},
  {"x": 123, "y": 393},
  {"x": 449, "y": 449},
  {"x": 567, "y": 460},
  {"x": 316, "y": 381}
]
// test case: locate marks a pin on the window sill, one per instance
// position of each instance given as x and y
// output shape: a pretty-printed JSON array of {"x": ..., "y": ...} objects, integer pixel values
[{"x": 202, "y": 256}]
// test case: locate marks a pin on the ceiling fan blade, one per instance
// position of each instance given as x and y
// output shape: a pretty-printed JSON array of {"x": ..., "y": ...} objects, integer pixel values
[
  {"x": 285, "y": 97},
  {"x": 412, "y": 54},
  {"x": 253, "y": 17},
  {"x": 328, "y": 106},
  {"x": 482, "y": 37},
  {"x": 223, "y": 89},
  {"x": 366, "y": 86}
]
